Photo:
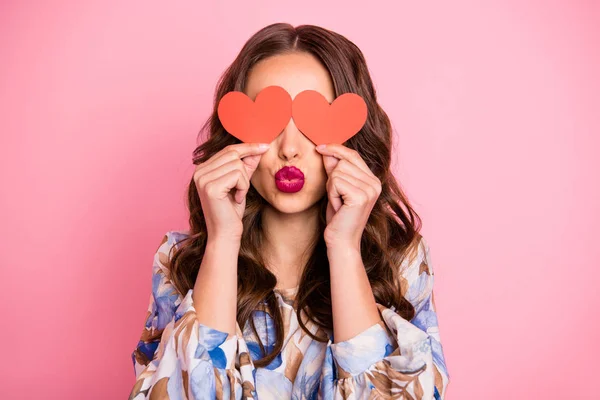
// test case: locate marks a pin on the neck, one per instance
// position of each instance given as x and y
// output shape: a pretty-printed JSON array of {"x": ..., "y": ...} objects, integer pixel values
[{"x": 289, "y": 240}]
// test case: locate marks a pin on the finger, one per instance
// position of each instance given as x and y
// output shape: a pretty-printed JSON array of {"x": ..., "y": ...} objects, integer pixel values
[
  {"x": 215, "y": 174},
  {"x": 246, "y": 149},
  {"x": 342, "y": 152},
  {"x": 251, "y": 164},
  {"x": 343, "y": 191},
  {"x": 229, "y": 153},
  {"x": 220, "y": 187},
  {"x": 240, "y": 195},
  {"x": 334, "y": 195},
  {"x": 351, "y": 169},
  {"x": 329, "y": 162},
  {"x": 365, "y": 187}
]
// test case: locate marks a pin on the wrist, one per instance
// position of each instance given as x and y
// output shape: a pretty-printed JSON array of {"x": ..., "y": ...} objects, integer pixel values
[
  {"x": 345, "y": 250},
  {"x": 224, "y": 243},
  {"x": 336, "y": 244}
]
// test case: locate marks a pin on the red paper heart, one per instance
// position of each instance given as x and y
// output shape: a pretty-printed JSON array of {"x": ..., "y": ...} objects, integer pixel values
[
  {"x": 258, "y": 121},
  {"x": 322, "y": 122}
]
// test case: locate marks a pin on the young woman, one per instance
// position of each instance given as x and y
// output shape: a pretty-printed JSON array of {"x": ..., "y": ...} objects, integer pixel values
[{"x": 303, "y": 274}]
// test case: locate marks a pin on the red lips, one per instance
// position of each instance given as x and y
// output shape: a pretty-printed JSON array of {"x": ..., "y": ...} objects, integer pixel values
[
  {"x": 288, "y": 174},
  {"x": 289, "y": 179}
]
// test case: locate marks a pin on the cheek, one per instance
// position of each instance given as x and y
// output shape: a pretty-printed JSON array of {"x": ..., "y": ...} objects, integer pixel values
[
  {"x": 260, "y": 174},
  {"x": 320, "y": 174},
  {"x": 256, "y": 179}
]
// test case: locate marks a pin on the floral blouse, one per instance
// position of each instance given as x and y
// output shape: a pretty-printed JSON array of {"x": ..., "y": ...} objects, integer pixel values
[{"x": 393, "y": 359}]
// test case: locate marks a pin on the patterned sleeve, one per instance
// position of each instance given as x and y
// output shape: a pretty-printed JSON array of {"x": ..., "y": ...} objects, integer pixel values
[
  {"x": 396, "y": 358},
  {"x": 190, "y": 360}
]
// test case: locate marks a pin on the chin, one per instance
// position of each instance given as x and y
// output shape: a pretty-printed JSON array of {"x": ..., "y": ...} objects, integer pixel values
[{"x": 291, "y": 203}]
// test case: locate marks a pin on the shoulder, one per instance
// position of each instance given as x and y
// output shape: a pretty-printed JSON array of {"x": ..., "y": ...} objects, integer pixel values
[
  {"x": 171, "y": 240},
  {"x": 416, "y": 271},
  {"x": 417, "y": 259},
  {"x": 165, "y": 294},
  {"x": 174, "y": 237},
  {"x": 164, "y": 252}
]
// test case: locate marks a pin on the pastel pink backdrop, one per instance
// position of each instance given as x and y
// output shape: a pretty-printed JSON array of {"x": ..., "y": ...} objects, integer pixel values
[{"x": 496, "y": 109}]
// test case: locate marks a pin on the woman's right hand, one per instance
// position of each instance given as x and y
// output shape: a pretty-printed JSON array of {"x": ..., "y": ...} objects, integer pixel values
[{"x": 230, "y": 168}]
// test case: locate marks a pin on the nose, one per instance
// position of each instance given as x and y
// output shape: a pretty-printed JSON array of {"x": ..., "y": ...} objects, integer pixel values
[{"x": 290, "y": 142}]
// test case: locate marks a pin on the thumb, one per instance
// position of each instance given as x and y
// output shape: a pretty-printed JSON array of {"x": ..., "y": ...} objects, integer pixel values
[
  {"x": 251, "y": 163},
  {"x": 329, "y": 162}
]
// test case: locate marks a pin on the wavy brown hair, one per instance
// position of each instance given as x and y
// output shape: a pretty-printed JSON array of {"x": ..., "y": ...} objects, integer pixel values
[{"x": 391, "y": 233}]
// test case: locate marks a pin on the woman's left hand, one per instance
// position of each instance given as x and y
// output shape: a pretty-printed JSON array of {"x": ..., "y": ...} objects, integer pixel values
[{"x": 352, "y": 190}]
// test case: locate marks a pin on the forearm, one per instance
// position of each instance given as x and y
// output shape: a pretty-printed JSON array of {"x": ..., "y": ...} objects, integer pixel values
[
  {"x": 353, "y": 304},
  {"x": 215, "y": 290}
]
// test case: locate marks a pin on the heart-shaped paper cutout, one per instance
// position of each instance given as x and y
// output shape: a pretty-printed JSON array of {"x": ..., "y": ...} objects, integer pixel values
[
  {"x": 322, "y": 122},
  {"x": 259, "y": 121}
]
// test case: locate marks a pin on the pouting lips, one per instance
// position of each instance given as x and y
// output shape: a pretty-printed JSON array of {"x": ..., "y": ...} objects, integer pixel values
[{"x": 289, "y": 174}]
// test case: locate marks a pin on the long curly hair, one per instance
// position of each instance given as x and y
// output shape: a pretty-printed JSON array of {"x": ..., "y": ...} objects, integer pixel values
[{"x": 391, "y": 233}]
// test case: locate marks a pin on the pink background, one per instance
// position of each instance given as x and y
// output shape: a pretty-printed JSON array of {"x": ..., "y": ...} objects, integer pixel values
[{"x": 496, "y": 108}]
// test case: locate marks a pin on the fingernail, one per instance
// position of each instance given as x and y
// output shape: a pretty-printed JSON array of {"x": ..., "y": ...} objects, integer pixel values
[
  {"x": 321, "y": 146},
  {"x": 263, "y": 146}
]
